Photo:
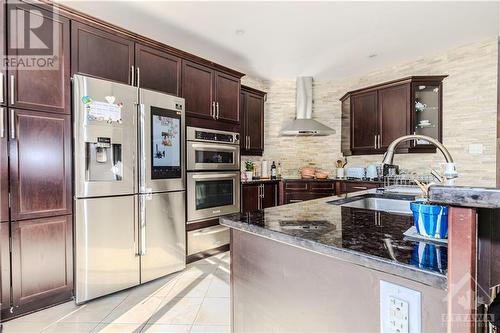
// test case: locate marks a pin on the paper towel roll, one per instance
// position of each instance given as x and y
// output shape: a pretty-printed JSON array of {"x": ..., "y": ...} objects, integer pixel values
[{"x": 263, "y": 169}]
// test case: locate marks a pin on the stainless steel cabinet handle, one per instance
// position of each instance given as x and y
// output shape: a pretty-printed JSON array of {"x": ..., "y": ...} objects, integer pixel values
[
  {"x": 249, "y": 142},
  {"x": 213, "y": 110},
  {"x": 375, "y": 142},
  {"x": 2, "y": 123},
  {"x": 217, "y": 107},
  {"x": 138, "y": 77},
  {"x": 295, "y": 200},
  {"x": 379, "y": 142},
  {"x": 132, "y": 75},
  {"x": 12, "y": 125},
  {"x": 262, "y": 191},
  {"x": 2, "y": 99},
  {"x": 360, "y": 187},
  {"x": 12, "y": 89}
]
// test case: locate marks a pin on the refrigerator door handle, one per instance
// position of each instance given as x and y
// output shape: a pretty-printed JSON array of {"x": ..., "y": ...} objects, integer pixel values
[
  {"x": 136, "y": 235},
  {"x": 142, "y": 224}
]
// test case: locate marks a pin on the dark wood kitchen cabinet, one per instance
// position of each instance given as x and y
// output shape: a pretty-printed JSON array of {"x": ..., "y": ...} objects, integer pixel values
[
  {"x": 42, "y": 262},
  {"x": 158, "y": 70},
  {"x": 3, "y": 71},
  {"x": 102, "y": 54},
  {"x": 212, "y": 97},
  {"x": 343, "y": 187},
  {"x": 379, "y": 114},
  {"x": 40, "y": 164},
  {"x": 292, "y": 191},
  {"x": 257, "y": 196},
  {"x": 252, "y": 121},
  {"x": 4, "y": 267},
  {"x": 4, "y": 167},
  {"x": 364, "y": 122},
  {"x": 197, "y": 90},
  {"x": 227, "y": 97},
  {"x": 46, "y": 86}
]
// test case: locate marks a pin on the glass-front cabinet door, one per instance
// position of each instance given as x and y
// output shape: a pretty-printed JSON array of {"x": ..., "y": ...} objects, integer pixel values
[{"x": 426, "y": 107}]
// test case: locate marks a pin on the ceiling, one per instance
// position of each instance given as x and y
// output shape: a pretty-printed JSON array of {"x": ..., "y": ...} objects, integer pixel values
[{"x": 281, "y": 40}]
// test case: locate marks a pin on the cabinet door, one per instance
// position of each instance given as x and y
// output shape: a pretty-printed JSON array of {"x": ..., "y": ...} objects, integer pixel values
[
  {"x": 250, "y": 198},
  {"x": 101, "y": 54},
  {"x": 243, "y": 122},
  {"x": 4, "y": 266},
  {"x": 227, "y": 97},
  {"x": 270, "y": 198},
  {"x": 3, "y": 72},
  {"x": 40, "y": 164},
  {"x": 42, "y": 262},
  {"x": 364, "y": 122},
  {"x": 197, "y": 90},
  {"x": 349, "y": 187},
  {"x": 4, "y": 167},
  {"x": 47, "y": 87},
  {"x": 255, "y": 123},
  {"x": 158, "y": 70},
  {"x": 394, "y": 114}
]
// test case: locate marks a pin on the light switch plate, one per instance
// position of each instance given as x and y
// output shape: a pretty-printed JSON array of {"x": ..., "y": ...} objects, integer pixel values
[
  {"x": 476, "y": 149},
  {"x": 408, "y": 319}
]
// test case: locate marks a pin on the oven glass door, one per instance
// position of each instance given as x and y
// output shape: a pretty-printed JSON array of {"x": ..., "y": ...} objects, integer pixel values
[
  {"x": 213, "y": 194},
  {"x": 213, "y": 156}
]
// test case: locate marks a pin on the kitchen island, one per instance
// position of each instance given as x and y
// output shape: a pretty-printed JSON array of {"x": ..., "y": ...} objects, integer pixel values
[{"x": 316, "y": 266}]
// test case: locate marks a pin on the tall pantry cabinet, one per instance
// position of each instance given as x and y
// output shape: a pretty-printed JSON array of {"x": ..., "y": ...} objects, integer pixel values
[{"x": 35, "y": 165}]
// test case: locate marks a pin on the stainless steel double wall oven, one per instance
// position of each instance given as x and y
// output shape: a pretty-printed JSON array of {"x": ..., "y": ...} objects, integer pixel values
[{"x": 213, "y": 184}]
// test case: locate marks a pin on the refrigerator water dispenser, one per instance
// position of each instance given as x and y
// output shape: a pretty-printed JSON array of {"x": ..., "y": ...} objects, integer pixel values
[{"x": 104, "y": 160}]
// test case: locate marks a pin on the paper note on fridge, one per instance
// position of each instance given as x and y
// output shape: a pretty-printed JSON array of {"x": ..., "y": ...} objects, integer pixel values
[{"x": 104, "y": 111}]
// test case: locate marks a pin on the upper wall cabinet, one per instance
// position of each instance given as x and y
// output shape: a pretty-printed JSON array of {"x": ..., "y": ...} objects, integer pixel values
[
  {"x": 3, "y": 72},
  {"x": 157, "y": 70},
  {"x": 46, "y": 86},
  {"x": 212, "y": 97},
  {"x": 101, "y": 54},
  {"x": 373, "y": 117},
  {"x": 252, "y": 121}
]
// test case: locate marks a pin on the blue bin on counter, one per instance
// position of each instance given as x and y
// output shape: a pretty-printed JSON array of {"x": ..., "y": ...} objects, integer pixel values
[{"x": 430, "y": 220}]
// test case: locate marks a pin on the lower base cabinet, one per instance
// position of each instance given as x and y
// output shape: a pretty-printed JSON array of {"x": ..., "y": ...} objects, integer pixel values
[
  {"x": 258, "y": 196},
  {"x": 344, "y": 187},
  {"x": 292, "y": 191},
  {"x": 42, "y": 263},
  {"x": 4, "y": 268}
]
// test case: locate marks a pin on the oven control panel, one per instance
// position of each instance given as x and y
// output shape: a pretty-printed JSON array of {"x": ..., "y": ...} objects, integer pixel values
[{"x": 202, "y": 134}]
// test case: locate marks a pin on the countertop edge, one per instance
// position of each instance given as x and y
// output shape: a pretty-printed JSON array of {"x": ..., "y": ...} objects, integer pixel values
[
  {"x": 379, "y": 264},
  {"x": 464, "y": 196}
]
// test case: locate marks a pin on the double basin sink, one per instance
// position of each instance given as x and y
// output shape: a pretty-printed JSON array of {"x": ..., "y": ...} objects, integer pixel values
[{"x": 390, "y": 203}]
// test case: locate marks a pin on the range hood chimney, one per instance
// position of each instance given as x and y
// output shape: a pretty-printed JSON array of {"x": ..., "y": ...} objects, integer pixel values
[{"x": 303, "y": 124}]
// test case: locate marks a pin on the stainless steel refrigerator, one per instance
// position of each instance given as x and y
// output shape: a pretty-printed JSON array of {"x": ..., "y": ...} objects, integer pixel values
[{"x": 129, "y": 186}]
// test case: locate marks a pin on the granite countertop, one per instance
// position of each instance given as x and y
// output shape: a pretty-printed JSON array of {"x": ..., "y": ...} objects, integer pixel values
[
  {"x": 464, "y": 196},
  {"x": 348, "y": 234}
]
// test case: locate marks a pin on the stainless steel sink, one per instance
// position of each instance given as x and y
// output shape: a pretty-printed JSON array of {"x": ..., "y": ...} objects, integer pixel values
[{"x": 392, "y": 204}]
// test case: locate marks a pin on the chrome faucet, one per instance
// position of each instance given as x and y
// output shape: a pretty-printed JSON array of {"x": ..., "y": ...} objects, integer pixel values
[{"x": 450, "y": 171}]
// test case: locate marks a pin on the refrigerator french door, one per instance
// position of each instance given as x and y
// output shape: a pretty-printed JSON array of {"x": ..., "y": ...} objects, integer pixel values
[
  {"x": 105, "y": 131},
  {"x": 161, "y": 185}
]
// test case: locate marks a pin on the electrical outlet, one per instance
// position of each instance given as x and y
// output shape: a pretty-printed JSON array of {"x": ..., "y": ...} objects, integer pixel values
[
  {"x": 398, "y": 315},
  {"x": 400, "y": 309}
]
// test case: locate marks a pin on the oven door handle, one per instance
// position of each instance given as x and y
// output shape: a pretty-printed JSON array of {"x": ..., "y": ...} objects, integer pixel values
[
  {"x": 215, "y": 146},
  {"x": 215, "y": 176}
]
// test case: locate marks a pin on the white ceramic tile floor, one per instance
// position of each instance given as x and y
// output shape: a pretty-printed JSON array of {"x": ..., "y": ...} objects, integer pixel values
[{"x": 194, "y": 300}]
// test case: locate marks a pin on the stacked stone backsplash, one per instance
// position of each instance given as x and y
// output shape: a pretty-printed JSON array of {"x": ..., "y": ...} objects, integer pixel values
[{"x": 469, "y": 105}]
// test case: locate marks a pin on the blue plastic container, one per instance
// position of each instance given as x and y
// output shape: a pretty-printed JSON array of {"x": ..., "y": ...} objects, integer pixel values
[{"x": 430, "y": 220}]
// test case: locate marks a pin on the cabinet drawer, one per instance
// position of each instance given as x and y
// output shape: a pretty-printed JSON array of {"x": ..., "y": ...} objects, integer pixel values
[
  {"x": 299, "y": 197},
  {"x": 296, "y": 186},
  {"x": 207, "y": 238},
  {"x": 322, "y": 187},
  {"x": 354, "y": 187}
]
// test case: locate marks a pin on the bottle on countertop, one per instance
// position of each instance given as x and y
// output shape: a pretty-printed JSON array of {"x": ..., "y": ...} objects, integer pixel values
[
  {"x": 278, "y": 171},
  {"x": 273, "y": 171}
]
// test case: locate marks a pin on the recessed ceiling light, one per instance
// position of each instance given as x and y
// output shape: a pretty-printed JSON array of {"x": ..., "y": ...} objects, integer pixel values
[
  {"x": 373, "y": 55},
  {"x": 239, "y": 32}
]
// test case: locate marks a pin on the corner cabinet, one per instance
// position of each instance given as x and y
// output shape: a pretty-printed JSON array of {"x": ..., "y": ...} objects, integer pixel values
[
  {"x": 212, "y": 97},
  {"x": 252, "y": 121},
  {"x": 373, "y": 117}
]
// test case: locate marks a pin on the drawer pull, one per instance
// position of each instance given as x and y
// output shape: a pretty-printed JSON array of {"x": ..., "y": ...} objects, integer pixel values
[
  {"x": 360, "y": 187},
  {"x": 295, "y": 200}
]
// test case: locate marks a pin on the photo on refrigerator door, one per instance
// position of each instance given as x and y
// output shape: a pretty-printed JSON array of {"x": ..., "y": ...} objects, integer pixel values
[{"x": 166, "y": 143}]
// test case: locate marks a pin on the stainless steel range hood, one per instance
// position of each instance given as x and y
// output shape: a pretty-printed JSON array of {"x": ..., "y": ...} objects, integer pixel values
[{"x": 303, "y": 124}]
